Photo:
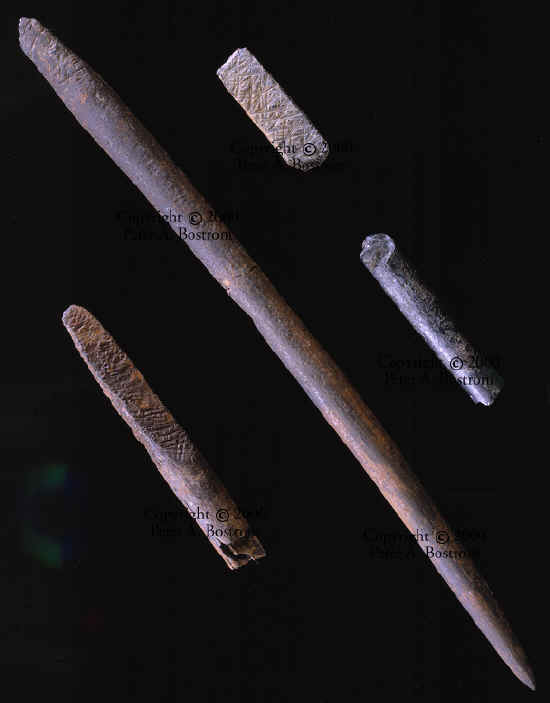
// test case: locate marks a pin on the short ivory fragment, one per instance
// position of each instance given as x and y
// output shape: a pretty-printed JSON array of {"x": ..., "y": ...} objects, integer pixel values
[{"x": 269, "y": 107}]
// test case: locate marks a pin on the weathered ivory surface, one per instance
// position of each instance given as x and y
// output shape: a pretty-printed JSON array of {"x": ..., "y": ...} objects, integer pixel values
[{"x": 284, "y": 124}]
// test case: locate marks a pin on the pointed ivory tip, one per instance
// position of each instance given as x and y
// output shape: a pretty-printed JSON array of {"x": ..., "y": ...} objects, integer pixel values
[{"x": 526, "y": 676}]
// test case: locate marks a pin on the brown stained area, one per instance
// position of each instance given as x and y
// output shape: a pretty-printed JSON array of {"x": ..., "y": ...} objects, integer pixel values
[
  {"x": 167, "y": 188},
  {"x": 178, "y": 460}
]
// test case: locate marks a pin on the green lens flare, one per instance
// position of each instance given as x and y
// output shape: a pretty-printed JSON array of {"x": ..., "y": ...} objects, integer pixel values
[
  {"x": 43, "y": 480},
  {"x": 43, "y": 548}
]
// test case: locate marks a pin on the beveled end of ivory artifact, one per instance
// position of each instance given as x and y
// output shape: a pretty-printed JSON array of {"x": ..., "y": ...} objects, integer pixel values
[
  {"x": 286, "y": 126},
  {"x": 28, "y": 28},
  {"x": 179, "y": 462},
  {"x": 51, "y": 57},
  {"x": 421, "y": 308}
]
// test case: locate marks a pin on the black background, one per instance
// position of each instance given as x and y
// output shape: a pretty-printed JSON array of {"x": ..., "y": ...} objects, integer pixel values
[{"x": 403, "y": 88}]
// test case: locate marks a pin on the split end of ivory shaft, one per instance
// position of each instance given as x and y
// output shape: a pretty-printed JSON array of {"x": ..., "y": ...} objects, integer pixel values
[
  {"x": 381, "y": 256},
  {"x": 179, "y": 462}
]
